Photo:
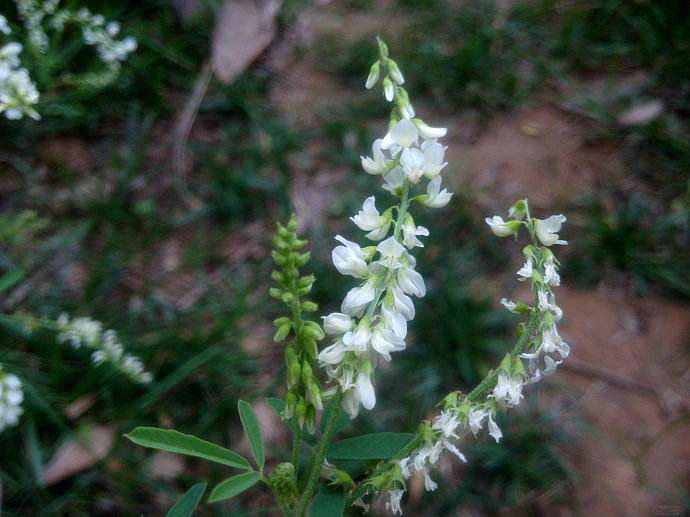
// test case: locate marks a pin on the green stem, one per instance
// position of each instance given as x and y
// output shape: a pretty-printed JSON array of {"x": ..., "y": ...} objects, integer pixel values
[
  {"x": 318, "y": 457},
  {"x": 296, "y": 450}
]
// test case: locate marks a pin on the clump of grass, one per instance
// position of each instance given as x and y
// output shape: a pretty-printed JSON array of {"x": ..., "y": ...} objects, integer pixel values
[{"x": 628, "y": 233}]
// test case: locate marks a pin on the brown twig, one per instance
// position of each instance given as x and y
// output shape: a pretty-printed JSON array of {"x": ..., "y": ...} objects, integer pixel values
[{"x": 182, "y": 130}]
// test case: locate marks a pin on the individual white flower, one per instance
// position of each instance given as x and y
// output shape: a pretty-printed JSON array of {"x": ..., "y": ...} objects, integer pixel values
[
  {"x": 429, "y": 484},
  {"x": 336, "y": 323},
  {"x": 358, "y": 339},
  {"x": 508, "y": 390},
  {"x": 394, "y": 180},
  {"x": 365, "y": 390},
  {"x": 404, "y": 134},
  {"x": 411, "y": 282},
  {"x": 395, "y": 321},
  {"x": 427, "y": 131},
  {"x": 394, "y": 498},
  {"x": 546, "y": 303},
  {"x": 412, "y": 163},
  {"x": 433, "y": 158},
  {"x": 403, "y": 303},
  {"x": 552, "y": 342},
  {"x": 447, "y": 422},
  {"x": 350, "y": 259},
  {"x": 410, "y": 233},
  {"x": 509, "y": 304},
  {"x": 378, "y": 163},
  {"x": 494, "y": 430},
  {"x": 370, "y": 220},
  {"x": 357, "y": 299},
  {"x": 351, "y": 402},
  {"x": 333, "y": 354},
  {"x": 502, "y": 228},
  {"x": 391, "y": 251},
  {"x": 547, "y": 230},
  {"x": 526, "y": 270},
  {"x": 475, "y": 419},
  {"x": 551, "y": 275},
  {"x": 385, "y": 341},
  {"x": 435, "y": 197}
]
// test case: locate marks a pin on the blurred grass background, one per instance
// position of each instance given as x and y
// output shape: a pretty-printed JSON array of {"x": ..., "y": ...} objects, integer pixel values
[{"x": 114, "y": 236}]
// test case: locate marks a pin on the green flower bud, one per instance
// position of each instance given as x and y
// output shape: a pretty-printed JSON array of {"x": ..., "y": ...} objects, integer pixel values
[
  {"x": 395, "y": 72},
  {"x": 282, "y": 332},
  {"x": 374, "y": 73},
  {"x": 284, "y": 484},
  {"x": 309, "y": 306},
  {"x": 313, "y": 330}
]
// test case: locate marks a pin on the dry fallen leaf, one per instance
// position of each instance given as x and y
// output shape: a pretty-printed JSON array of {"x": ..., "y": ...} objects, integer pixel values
[
  {"x": 244, "y": 29},
  {"x": 75, "y": 456}
]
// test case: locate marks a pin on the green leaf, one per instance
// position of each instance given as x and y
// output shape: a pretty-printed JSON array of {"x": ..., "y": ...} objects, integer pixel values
[
  {"x": 233, "y": 486},
  {"x": 328, "y": 503},
  {"x": 10, "y": 278},
  {"x": 376, "y": 446},
  {"x": 278, "y": 406},
  {"x": 174, "y": 441},
  {"x": 185, "y": 505},
  {"x": 253, "y": 431}
]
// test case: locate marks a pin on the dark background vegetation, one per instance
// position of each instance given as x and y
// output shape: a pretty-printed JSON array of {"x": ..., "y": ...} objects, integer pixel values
[{"x": 581, "y": 106}]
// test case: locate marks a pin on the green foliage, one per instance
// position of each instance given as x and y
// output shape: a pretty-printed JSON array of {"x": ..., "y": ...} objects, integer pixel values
[
  {"x": 369, "y": 446},
  {"x": 233, "y": 486},
  {"x": 186, "y": 505},
  {"x": 180, "y": 443},
  {"x": 629, "y": 234},
  {"x": 328, "y": 503},
  {"x": 253, "y": 432}
]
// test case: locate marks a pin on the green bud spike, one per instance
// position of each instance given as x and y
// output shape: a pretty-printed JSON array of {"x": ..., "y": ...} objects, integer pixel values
[{"x": 309, "y": 306}]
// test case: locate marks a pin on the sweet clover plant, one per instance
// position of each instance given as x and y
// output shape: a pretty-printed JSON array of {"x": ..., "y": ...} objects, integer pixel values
[{"x": 328, "y": 385}]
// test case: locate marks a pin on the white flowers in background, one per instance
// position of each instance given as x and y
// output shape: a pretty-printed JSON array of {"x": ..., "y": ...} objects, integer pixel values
[
  {"x": 11, "y": 398},
  {"x": 18, "y": 92},
  {"x": 101, "y": 34},
  {"x": 105, "y": 345},
  {"x": 374, "y": 314}
]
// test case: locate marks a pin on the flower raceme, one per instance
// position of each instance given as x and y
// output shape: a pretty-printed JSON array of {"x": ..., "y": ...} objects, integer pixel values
[
  {"x": 538, "y": 352},
  {"x": 373, "y": 318},
  {"x": 11, "y": 398}
]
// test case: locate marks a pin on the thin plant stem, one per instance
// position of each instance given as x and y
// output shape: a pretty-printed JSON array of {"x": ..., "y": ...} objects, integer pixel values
[{"x": 318, "y": 457}]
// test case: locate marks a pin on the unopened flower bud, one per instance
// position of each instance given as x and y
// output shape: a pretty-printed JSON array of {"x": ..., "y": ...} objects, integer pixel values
[{"x": 374, "y": 73}]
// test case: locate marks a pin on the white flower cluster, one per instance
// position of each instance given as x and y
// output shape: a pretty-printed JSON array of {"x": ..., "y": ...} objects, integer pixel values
[
  {"x": 374, "y": 314},
  {"x": 98, "y": 33},
  {"x": 33, "y": 14},
  {"x": 106, "y": 346},
  {"x": 18, "y": 93},
  {"x": 11, "y": 398},
  {"x": 544, "y": 350}
]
